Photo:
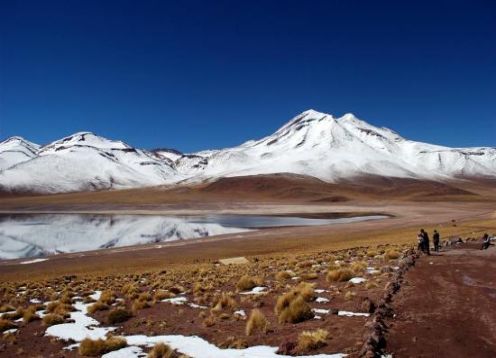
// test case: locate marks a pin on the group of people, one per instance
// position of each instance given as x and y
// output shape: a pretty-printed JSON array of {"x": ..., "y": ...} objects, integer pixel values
[{"x": 424, "y": 242}]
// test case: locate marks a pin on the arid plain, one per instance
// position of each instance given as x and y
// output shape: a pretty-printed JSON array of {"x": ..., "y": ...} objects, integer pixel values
[{"x": 311, "y": 266}]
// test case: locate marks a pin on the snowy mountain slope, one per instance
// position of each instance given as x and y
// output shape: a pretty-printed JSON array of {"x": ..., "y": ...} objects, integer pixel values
[
  {"x": 85, "y": 161},
  {"x": 312, "y": 143},
  {"x": 16, "y": 150},
  {"x": 329, "y": 148}
]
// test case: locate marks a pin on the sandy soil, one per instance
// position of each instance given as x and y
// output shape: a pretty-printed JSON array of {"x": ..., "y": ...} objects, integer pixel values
[{"x": 446, "y": 307}]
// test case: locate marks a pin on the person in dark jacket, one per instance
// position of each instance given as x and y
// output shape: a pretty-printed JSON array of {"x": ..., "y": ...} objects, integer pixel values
[
  {"x": 436, "y": 238},
  {"x": 486, "y": 242},
  {"x": 427, "y": 249}
]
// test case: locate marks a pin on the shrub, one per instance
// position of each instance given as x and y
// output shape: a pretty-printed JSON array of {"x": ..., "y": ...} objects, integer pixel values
[
  {"x": 5, "y": 325},
  {"x": 358, "y": 267},
  {"x": 391, "y": 254},
  {"x": 30, "y": 314},
  {"x": 138, "y": 305},
  {"x": 256, "y": 322},
  {"x": 58, "y": 308},
  {"x": 292, "y": 308},
  {"x": 161, "y": 350},
  {"x": 372, "y": 253},
  {"x": 52, "y": 319},
  {"x": 233, "y": 342},
  {"x": 339, "y": 275},
  {"x": 6, "y": 308},
  {"x": 305, "y": 290},
  {"x": 107, "y": 297},
  {"x": 97, "y": 306},
  {"x": 225, "y": 301},
  {"x": 310, "y": 276},
  {"x": 118, "y": 315},
  {"x": 247, "y": 282},
  {"x": 309, "y": 340},
  {"x": 93, "y": 348},
  {"x": 369, "y": 285},
  {"x": 284, "y": 275}
]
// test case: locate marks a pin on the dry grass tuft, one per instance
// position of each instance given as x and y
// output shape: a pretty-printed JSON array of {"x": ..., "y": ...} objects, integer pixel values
[
  {"x": 391, "y": 254},
  {"x": 246, "y": 283},
  {"x": 234, "y": 343},
  {"x": 5, "y": 325},
  {"x": 310, "y": 340},
  {"x": 292, "y": 308},
  {"x": 256, "y": 322},
  {"x": 94, "y": 348},
  {"x": 119, "y": 315},
  {"x": 224, "y": 302},
  {"x": 305, "y": 290},
  {"x": 52, "y": 319},
  {"x": 29, "y": 314},
  {"x": 339, "y": 275},
  {"x": 284, "y": 275},
  {"x": 97, "y": 306},
  {"x": 161, "y": 350},
  {"x": 358, "y": 267}
]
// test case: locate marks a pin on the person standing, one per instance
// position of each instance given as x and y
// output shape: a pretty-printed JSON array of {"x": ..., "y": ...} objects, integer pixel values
[
  {"x": 436, "y": 239},
  {"x": 420, "y": 242},
  {"x": 427, "y": 249},
  {"x": 486, "y": 242}
]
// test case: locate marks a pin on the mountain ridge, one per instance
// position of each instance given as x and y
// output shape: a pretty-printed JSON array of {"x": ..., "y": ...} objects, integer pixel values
[{"x": 311, "y": 143}]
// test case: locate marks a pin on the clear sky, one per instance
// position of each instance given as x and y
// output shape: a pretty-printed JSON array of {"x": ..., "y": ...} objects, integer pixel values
[{"x": 207, "y": 74}]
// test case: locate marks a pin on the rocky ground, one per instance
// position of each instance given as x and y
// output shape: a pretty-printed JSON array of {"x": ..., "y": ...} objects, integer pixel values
[{"x": 332, "y": 296}]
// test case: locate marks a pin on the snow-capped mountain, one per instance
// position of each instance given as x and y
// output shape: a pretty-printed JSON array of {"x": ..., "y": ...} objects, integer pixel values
[
  {"x": 312, "y": 143},
  {"x": 16, "y": 150},
  {"x": 84, "y": 161},
  {"x": 330, "y": 149}
]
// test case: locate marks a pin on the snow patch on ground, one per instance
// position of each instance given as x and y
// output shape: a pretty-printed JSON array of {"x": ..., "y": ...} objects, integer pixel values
[
  {"x": 32, "y": 261},
  {"x": 197, "y": 347},
  {"x": 351, "y": 314},
  {"x": 181, "y": 300},
  {"x": 322, "y": 300},
  {"x": 83, "y": 326},
  {"x": 357, "y": 280},
  {"x": 255, "y": 291}
]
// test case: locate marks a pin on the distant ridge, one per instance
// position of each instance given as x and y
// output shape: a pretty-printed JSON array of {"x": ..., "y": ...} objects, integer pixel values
[{"x": 312, "y": 143}]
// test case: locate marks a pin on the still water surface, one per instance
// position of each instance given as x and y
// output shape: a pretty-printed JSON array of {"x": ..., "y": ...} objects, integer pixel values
[{"x": 47, "y": 234}]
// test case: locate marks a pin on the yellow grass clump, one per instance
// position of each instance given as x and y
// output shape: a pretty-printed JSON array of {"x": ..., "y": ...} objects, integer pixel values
[
  {"x": 391, "y": 254},
  {"x": 256, "y": 322},
  {"x": 284, "y": 275},
  {"x": 161, "y": 350},
  {"x": 246, "y": 283},
  {"x": 339, "y": 275},
  {"x": 224, "y": 302},
  {"x": 94, "y": 348},
  {"x": 5, "y": 325},
  {"x": 119, "y": 315},
  {"x": 291, "y": 307},
  {"x": 29, "y": 314},
  {"x": 310, "y": 340},
  {"x": 358, "y": 267},
  {"x": 52, "y": 319}
]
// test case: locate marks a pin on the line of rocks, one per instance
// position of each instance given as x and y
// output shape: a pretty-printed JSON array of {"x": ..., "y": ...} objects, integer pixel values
[{"x": 374, "y": 339}]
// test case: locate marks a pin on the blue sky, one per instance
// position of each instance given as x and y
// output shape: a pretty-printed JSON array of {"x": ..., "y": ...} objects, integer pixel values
[{"x": 206, "y": 74}]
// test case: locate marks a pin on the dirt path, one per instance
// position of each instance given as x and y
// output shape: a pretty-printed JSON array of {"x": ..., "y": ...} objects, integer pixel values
[{"x": 446, "y": 306}]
